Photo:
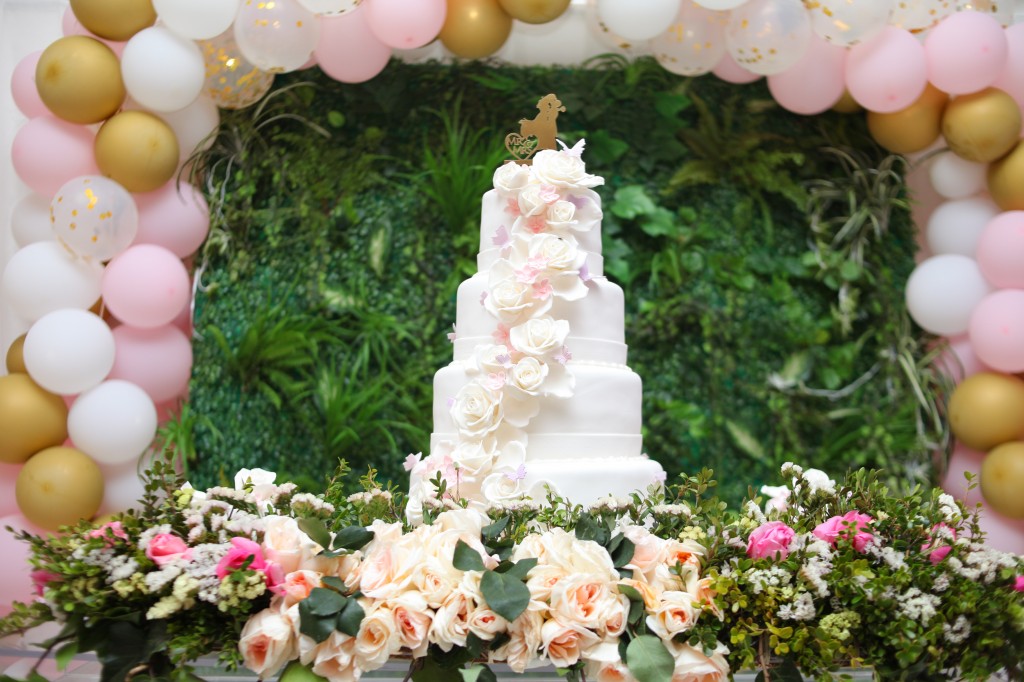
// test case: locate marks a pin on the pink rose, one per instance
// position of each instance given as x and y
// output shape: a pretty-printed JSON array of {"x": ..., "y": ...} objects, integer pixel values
[
  {"x": 242, "y": 549},
  {"x": 109, "y": 531},
  {"x": 770, "y": 540},
  {"x": 939, "y": 548},
  {"x": 1018, "y": 585},
  {"x": 165, "y": 548},
  {"x": 850, "y": 526},
  {"x": 41, "y": 578}
]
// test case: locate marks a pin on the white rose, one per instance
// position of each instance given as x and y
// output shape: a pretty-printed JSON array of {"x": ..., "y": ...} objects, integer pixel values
[
  {"x": 449, "y": 628},
  {"x": 388, "y": 568},
  {"x": 527, "y": 377},
  {"x": 673, "y": 615},
  {"x": 334, "y": 658},
  {"x": 511, "y": 177},
  {"x": 267, "y": 642},
  {"x": 467, "y": 521},
  {"x": 564, "y": 643},
  {"x": 581, "y": 598},
  {"x": 510, "y": 300},
  {"x": 819, "y": 482},
  {"x": 692, "y": 664},
  {"x": 532, "y": 201},
  {"x": 489, "y": 360},
  {"x": 254, "y": 477},
  {"x": 377, "y": 639},
  {"x": 540, "y": 336},
  {"x": 542, "y": 581},
  {"x": 476, "y": 411},
  {"x": 524, "y": 641},
  {"x": 561, "y": 215},
  {"x": 556, "y": 252},
  {"x": 501, "y": 486},
  {"x": 412, "y": 621},
  {"x": 475, "y": 457},
  {"x": 562, "y": 169},
  {"x": 283, "y": 542},
  {"x": 591, "y": 558}
]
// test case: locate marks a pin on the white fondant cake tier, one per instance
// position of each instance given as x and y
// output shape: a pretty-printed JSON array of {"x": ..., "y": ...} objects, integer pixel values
[
  {"x": 586, "y": 483},
  {"x": 596, "y": 321}
]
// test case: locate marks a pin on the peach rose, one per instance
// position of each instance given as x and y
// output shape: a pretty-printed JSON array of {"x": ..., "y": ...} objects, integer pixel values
[
  {"x": 649, "y": 550},
  {"x": 615, "y": 671},
  {"x": 485, "y": 624},
  {"x": 298, "y": 584},
  {"x": 267, "y": 643},
  {"x": 283, "y": 542},
  {"x": 435, "y": 579},
  {"x": 377, "y": 638},
  {"x": 449, "y": 628},
  {"x": 525, "y": 640},
  {"x": 412, "y": 621},
  {"x": 692, "y": 665},
  {"x": 673, "y": 615},
  {"x": 334, "y": 658},
  {"x": 580, "y": 598},
  {"x": 564, "y": 643}
]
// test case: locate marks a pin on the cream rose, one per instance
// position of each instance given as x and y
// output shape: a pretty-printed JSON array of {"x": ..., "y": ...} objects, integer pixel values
[
  {"x": 562, "y": 169},
  {"x": 564, "y": 643},
  {"x": 524, "y": 642},
  {"x": 649, "y": 550},
  {"x": 476, "y": 411},
  {"x": 283, "y": 542},
  {"x": 693, "y": 666},
  {"x": 377, "y": 639},
  {"x": 673, "y": 615},
  {"x": 485, "y": 624},
  {"x": 467, "y": 521},
  {"x": 581, "y": 598},
  {"x": 649, "y": 593},
  {"x": 540, "y": 336},
  {"x": 387, "y": 570},
  {"x": 449, "y": 628},
  {"x": 267, "y": 643},
  {"x": 412, "y": 621},
  {"x": 511, "y": 177},
  {"x": 542, "y": 581},
  {"x": 616, "y": 671},
  {"x": 334, "y": 658},
  {"x": 435, "y": 579}
]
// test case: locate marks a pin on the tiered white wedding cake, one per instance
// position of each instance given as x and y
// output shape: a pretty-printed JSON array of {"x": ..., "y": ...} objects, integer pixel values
[{"x": 539, "y": 393}]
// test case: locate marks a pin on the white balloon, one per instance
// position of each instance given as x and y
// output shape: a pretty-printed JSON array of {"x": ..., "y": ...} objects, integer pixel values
[
  {"x": 956, "y": 226},
  {"x": 637, "y": 20},
  {"x": 607, "y": 36},
  {"x": 943, "y": 291},
  {"x": 330, "y": 7},
  {"x": 197, "y": 19},
  {"x": 847, "y": 23},
  {"x": 954, "y": 177},
  {"x": 123, "y": 487},
  {"x": 194, "y": 126},
  {"x": 162, "y": 71},
  {"x": 278, "y": 36},
  {"x": 113, "y": 423},
  {"x": 768, "y": 36},
  {"x": 45, "y": 276},
  {"x": 694, "y": 43},
  {"x": 30, "y": 220},
  {"x": 69, "y": 351},
  {"x": 94, "y": 217},
  {"x": 720, "y": 5}
]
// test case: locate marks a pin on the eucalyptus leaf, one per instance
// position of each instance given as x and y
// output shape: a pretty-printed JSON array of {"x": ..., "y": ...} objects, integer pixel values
[
  {"x": 317, "y": 627},
  {"x": 591, "y": 528},
  {"x": 520, "y": 568},
  {"x": 65, "y": 654},
  {"x": 466, "y": 558},
  {"x": 324, "y": 602},
  {"x": 492, "y": 531},
  {"x": 622, "y": 554},
  {"x": 316, "y": 530},
  {"x": 648, "y": 660},
  {"x": 350, "y": 617},
  {"x": 506, "y": 595},
  {"x": 352, "y": 538},
  {"x": 334, "y": 582}
]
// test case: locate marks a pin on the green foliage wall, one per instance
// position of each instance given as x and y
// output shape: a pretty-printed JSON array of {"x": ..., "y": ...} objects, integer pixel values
[{"x": 763, "y": 257}]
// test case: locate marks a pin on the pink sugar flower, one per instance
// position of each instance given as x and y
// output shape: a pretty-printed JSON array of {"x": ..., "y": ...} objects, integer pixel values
[
  {"x": 850, "y": 526},
  {"x": 549, "y": 194},
  {"x": 536, "y": 224},
  {"x": 542, "y": 289},
  {"x": 241, "y": 551},
  {"x": 771, "y": 540},
  {"x": 165, "y": 548},
  {"x": 512, "y": 206}
]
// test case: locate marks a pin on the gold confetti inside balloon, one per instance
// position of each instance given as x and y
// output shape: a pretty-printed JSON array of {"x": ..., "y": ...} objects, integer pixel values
[
  {"x": 231, "y": 80},
  {"x": 535, "y": 11},
  {"x": 987, "y": 409},
  {"x": 917, "y": 15},
  {"x": 137, "y": 150},
  {"x": 114, "y": 19},
  {"x": 94, "y": 217},
  {"x": 982, "y": 126},
  {"x": 475, "y": 28},
  {"x": 694, "y": 43},
  {"x": 1002, "y": 479},
  {"x": 79, "y": 80},
  {"x": 15, "y": 357},
  {"x": 1006, "y": 180},
  {"x": 58, "y": 487},
  {"x": 31, "y": 418},
  {"x": 911, "y": 129}
]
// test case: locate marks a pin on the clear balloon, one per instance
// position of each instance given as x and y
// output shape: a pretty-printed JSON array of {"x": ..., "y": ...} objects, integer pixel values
[
  {"x": 406, "y": 24},
  {"x": 848, "y": 23},
  {"x": 146, "y": 286},
  {"x": 956, "y": 226},
  {"x": 278, "y": 36},
  {"x": 46, "y": 138},
  {"x": 113, "y": 423},
  {"x": 966, "y": 52},
  {"x": 176, "y": 217},
  {"x": 997, "y": 330},
  {"x": 609, "y": 37},
  {"x": 159, "y": 360},
  {"x": 888, "y": 72},
  {"x": 69, "y": 351},
  {"x": 720, "y": 5},
  {"x": 1001, "y": 250},
  {"x": 637, "y": 20},
  {"x": 943, "y": 291},
  {"x": 768, "y": 36},
  {"x": 44, "y": 277},
  {"x": 694, "y": 43},
  {"x": 197, "y": 19},
  {"x": 30, "y": 220},
  {"x": 94, "y": 217},
  {"x": 162, "y": 70},
  {"x": 956, "y": 178},
  {"x": 917, "y": 15},
  {"x": 815, "y": 82},
  {"x": 349, "y": 52},
  {"x": 232, "y": 82},
  {"x": 330, "y": 7}
]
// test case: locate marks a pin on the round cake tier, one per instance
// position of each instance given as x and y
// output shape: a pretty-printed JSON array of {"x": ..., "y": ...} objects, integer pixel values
[
  {"x": 601, "y": 477},
  {"x": 596, "y": 321},
  {"x": 601, "y": 419}
]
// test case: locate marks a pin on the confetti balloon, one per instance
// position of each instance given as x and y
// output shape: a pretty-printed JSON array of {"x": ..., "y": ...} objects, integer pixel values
[
  {"x": 59, "y": 487},
  {"x": 607, "y": 36},
  {"x": 79, "y": 80},
  {"x": 694, "y": 43},
  {"x": 114, "y": 19},
  {"x": 637, "y": 20},
  {"x": 95, "y": 217},
  {"x": 848, "y": 23},
  {"x": 768, "y": 36},
  {"x": 277, "y": 36},
  {"x": 1000, "y": 10},
  {"x": 232, "y": 81},
  {"x": 138, "y": 150},
  {"x": 917, "y": 15},
  {"x": 330, "y": 7}
]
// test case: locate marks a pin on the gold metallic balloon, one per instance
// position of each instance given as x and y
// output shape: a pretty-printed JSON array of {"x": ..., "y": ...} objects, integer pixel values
[
  {"x": 114, "y": 19},
  {"x": 1006, "y": 180},
  {"x": 911, "y": 129},
  {"x": 137, "y": 150},
  {"x": 847, "y": 104},
  {"x": 59, "y": 487},
  {"x": 535, "y": 11},
  {"x": 31, "y": 418},
  {"x": 15, "y": 356},
  {"x": 79, "y": 80},
  {"x": 231, "y": 80},
  {"x": 1002, "y": 479},
  {"x": 982, "y": 126},
  {"x": 987, "y": 409},
  {"x": 475, "y": 28}
]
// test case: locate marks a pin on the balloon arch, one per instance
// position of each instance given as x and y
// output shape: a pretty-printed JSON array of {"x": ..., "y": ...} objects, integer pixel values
[{"x": 85, "y": 393}]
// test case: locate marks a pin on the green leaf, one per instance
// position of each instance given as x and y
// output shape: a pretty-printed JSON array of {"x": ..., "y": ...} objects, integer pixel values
[
  {"x": 350, "y": 618},
  {"x": 520, "y": 568},
  {"x": 335, "y": 119},
  {"x": 590, "y": 528},
  {"x": 604, "y": 148},
  {"x": 622, "y": 552},
  {"x": 433, "y": 672},
  {"x": 466, "y": 558},
  {"x": 65, "y": 654},
  {"x": 352, "y": 538},
  {"x": 648, "y": 660},
  {"x": 491, "y": 532},
  {"x": 670, "y": 104},
  {"x": 317, "y": 627},
  {"x": 661, "y": 222},
  {"x": 632, "y": 201},
  {"x": 324, "y": 602},
  {"x": 746, "y": 442},
  {"x": 478, "y": 673},
  {"x": 316, "y": 530},
  {"x": 632, "y": 594},
  {"x": 334, "y": 582},
  {"x": 506, "y": 595}
]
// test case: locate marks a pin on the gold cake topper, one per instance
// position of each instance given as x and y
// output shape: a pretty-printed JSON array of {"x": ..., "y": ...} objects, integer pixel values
[{"x": 537, "y": 133}]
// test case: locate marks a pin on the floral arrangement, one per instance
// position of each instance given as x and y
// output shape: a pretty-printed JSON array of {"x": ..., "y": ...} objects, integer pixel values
[{"x": 668, "y": 586}]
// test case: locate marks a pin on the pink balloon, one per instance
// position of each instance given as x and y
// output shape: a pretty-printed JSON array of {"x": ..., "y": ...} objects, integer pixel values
[
  {"x": 963, "y": 460},
  {"x": 70, "y": 26},
  {"x": 997, "y": 330},
  {"x": 23, "y": 86},
  {"x": 146, "y": 286},
  {"x": 888, "y": 72},
  {"x": 1000, "y": 252},
  {"x": 8, "y": 477},
  {"x": 814, "y": 83},
  {"x": 47, "y": 152},
  {"x": 1002, "y": 533},
  {"x": 959, "y": 360},
  {"x": 15, "y": 570},
  {"x": 348, "y": 51},
  {"x": 966, "y": 52},
  {"x": 176, "y": 217},
  {"x": 159, "y": 360},
  {"x": 165, "y": 412},
  {"x": 1011, "y": 79},
  {"x": 405, "y": 24},
  {"x": 731, "y": 72}
]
